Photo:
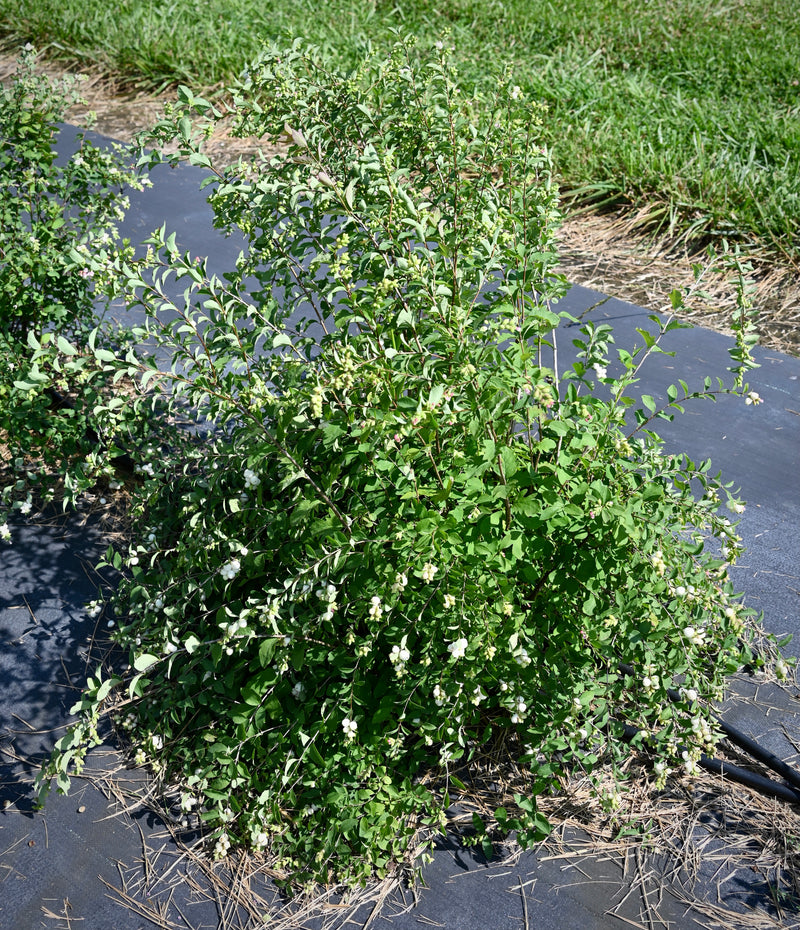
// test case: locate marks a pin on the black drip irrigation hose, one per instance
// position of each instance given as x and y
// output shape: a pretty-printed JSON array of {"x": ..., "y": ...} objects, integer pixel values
[
  {"x": 736, "y": 773},
  {"x": 789, "y": 793}
]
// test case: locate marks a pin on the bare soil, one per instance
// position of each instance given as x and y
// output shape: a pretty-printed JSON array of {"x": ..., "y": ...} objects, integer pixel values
[{"x": 610, "y": 252}]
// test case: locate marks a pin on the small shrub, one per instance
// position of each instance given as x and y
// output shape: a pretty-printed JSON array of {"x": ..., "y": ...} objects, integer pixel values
[
  {"x": 58, "y": 244},
  {"x": 407, "y": 530}
]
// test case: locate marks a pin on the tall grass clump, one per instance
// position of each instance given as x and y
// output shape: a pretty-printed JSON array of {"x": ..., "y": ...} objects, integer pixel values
[{"x": 685, "y": 114}]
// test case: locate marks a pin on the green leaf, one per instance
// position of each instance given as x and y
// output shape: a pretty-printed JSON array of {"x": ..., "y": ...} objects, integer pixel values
[
  {"x": 65, "y": 347},
  {"x": 105, "y": 688},
  {"x": 266, "y": 651},
  {"x": 488, "y": 848},
  {"x": 199, "y": 159},
  {"x": 510, "y": 464},
  {"x": 649, "y": 339},
  {"x": 145, "y": 661},
  {"x": 290, "y": 479},
  {"x": 435, "y": 396}
]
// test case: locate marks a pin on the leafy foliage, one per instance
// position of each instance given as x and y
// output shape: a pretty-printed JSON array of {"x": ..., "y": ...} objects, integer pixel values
[
  {"x": 404, "y": 530},
  {"x": 58, "y": 243}
]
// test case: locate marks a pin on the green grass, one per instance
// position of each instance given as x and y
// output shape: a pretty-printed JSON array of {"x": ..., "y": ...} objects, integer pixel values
[{"x": 687, "y": 108}]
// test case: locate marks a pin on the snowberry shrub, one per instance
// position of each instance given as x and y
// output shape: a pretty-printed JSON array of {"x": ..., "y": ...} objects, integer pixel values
[
  {"x": 406, "y": 530},
  {"x": 58, "y": 244}
]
